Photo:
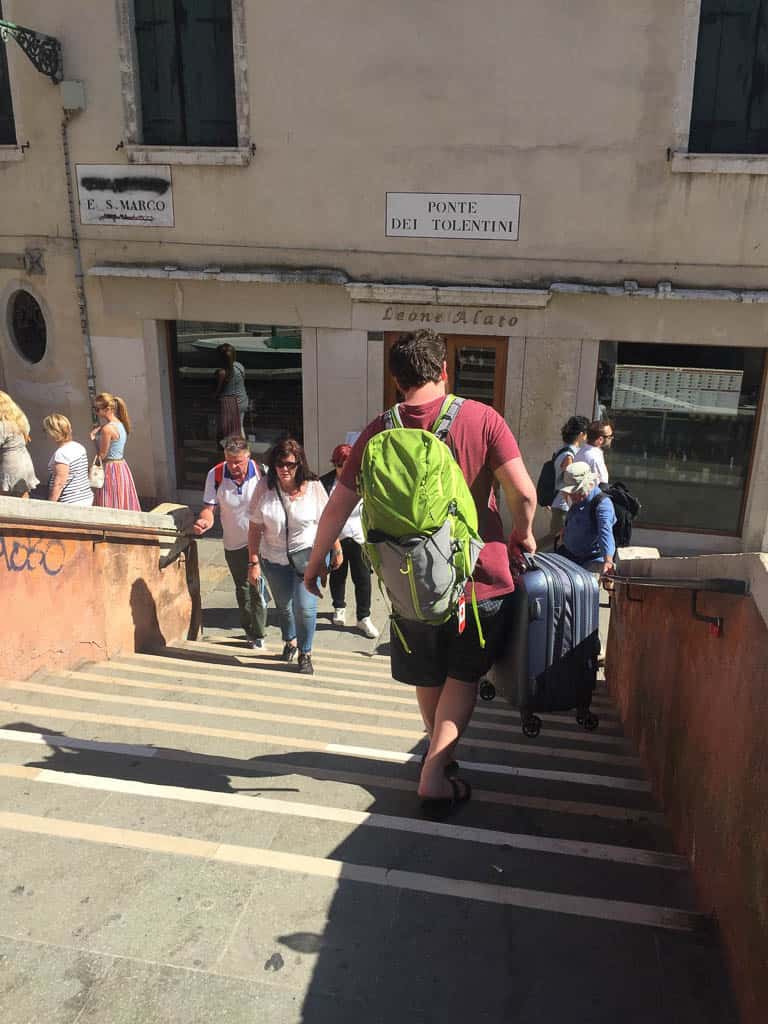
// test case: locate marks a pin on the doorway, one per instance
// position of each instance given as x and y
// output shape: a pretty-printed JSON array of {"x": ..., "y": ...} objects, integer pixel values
[
  {"x": 271, "y": 358},
  {"x": 477, "y": 368}
]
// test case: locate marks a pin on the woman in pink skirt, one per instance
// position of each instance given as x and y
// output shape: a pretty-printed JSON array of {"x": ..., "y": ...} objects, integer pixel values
[{"x": 119, "y": 490}]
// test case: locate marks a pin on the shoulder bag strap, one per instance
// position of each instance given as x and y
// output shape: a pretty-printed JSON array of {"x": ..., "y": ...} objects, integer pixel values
[{"x": 285, "y": 510}]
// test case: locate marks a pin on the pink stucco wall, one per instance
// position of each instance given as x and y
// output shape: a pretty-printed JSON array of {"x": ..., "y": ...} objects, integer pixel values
[
  {"x": 696, "y": 705},
  {"x": 66, "y": 597}
]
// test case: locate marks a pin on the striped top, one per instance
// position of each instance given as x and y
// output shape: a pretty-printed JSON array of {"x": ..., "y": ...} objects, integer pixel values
[{"x": 77, "y": 490}]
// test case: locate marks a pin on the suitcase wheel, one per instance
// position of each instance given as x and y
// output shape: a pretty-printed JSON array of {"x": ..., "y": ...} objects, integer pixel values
[
  {"x": 531, "y": 726},
  {"x": 587, "y": 720},
  {"x": 487, "y": 690}
]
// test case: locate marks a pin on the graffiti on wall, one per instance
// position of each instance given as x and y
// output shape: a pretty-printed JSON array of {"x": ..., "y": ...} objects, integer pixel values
[{"x": 32, "y": 555}]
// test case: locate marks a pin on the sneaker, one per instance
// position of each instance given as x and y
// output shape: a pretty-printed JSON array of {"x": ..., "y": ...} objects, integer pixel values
[
  {"x": 339, "y": 617},
  {"x": 258, "y": 643},
  {"x": 367, "y": 627},
  {"x": 289, "y": 652},
  {"x": 305, "y": 665}
]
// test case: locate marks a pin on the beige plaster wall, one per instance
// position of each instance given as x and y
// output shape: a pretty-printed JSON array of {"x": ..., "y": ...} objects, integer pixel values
[{"x": 588, "y": 156}]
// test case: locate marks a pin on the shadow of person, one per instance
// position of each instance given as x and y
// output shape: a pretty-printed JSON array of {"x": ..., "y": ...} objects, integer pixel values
[
  {"x": 160, "y": 766},
  {"x": 147, "y": 635}
]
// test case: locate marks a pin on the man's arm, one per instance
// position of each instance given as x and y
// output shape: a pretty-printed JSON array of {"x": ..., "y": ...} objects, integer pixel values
[
  {"x": 521, "y": 497},
  {"x": 605, "y": 541},
  {"x": 335, "y": 514},
  {"x": 204, "y": 521}
]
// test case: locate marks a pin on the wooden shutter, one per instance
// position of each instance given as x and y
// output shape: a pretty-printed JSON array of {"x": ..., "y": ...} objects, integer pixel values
[
  {"x": 205, "y": 34},
  {"x": 7, "y": 122},
  {"x": 162, "y": 101},
  {"x": 730, "y": 96}
]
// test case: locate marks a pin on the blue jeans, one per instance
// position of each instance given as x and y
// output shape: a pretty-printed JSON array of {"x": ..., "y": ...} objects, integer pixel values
[{"x": 296, "y": 607}]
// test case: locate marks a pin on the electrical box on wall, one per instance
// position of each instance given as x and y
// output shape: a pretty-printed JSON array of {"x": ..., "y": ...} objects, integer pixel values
[{"x": 72, "y": 94}]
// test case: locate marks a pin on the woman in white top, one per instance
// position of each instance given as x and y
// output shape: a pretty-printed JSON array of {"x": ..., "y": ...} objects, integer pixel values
[
  {"x": 68, "y": 468},
  {"x": 284, "y": 513}
]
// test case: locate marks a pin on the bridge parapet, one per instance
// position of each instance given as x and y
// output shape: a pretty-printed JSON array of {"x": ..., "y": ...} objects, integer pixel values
[
  {"x": 691, "y": 682},
  {"x": 83, "y": 583}
]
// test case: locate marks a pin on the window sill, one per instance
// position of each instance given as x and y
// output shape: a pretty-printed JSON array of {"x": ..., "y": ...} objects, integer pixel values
[
  {"x": 235, "y": 156},
  {"x": 10, "y": 153},
  {"x": 718, "y": 163}
]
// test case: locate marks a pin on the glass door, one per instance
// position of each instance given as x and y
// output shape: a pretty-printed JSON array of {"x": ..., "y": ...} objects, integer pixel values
[{"x": 271, "y": 358}]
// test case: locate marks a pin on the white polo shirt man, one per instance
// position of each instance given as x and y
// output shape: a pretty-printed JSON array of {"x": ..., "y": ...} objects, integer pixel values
[
  {"x": 601, "y": 435},
  {"x": 230, "y": 487}
]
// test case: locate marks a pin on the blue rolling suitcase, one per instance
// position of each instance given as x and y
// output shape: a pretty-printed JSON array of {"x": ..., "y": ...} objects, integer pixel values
[{"x": 548, "y": 660}]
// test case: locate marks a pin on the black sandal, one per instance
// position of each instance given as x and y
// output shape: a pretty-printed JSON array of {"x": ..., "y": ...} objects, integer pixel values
[
  {"x": 450, "y": 769},
  {"x": 438, "y": 808}
]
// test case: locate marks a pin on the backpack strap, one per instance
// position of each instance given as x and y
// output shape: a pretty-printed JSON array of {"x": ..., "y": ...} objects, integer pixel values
[
  {"x": 392, "y": 418},
  {"x": 218, "y": 475},
  {"x": 565, "y": 448},
  {"x": 446, "y": 416}
]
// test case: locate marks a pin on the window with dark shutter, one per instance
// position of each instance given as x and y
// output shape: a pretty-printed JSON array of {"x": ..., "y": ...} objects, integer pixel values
[
  {"x": 186, "y": 72},
  {"x": 7, "y": 122},
  {"x": 730, "y": 94}
]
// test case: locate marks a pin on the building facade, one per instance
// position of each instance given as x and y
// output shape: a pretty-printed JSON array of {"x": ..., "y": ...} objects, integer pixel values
[{"x": 573, "y": 195}]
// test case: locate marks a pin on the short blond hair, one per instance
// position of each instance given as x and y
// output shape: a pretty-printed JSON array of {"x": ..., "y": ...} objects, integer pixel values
[{"x": 58, "y": 427}]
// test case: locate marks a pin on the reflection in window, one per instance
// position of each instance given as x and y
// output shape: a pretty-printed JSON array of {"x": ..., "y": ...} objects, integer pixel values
[
  {"x": 684, "y": 420},
  {"x": 271, "y": 357},
  {"x": 474, "y": 373}
]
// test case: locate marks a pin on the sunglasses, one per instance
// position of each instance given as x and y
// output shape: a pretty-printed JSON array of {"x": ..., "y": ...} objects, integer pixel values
[{"x": 286, "y": 465}]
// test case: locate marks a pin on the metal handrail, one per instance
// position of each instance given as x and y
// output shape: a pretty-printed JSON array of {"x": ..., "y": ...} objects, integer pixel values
[{"x": 717, "y": 585}]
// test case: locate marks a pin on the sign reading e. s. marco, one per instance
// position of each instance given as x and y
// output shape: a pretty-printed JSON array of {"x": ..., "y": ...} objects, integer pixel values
[
  {"x": 453, "y": 215},
  {"x": 125, "y": 195}
]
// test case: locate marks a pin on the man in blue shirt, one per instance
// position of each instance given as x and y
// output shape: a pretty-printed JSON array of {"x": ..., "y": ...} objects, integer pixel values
[{"x": 588, "y": 531}]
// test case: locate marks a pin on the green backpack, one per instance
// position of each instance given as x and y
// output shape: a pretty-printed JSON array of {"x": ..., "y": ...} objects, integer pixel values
[{"x": 419, "y": 519}]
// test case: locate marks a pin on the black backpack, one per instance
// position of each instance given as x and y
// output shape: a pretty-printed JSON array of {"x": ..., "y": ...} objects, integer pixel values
[
  {"x": 626, "y": 506},
  {"x": 545, "y": 485}
]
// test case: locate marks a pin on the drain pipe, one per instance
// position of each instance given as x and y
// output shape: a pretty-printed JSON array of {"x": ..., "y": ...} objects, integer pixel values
[{"x": 82, "y": 301}]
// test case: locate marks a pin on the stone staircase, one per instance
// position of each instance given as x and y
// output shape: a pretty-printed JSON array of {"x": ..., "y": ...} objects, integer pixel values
[{"x": 205, "y": 835}]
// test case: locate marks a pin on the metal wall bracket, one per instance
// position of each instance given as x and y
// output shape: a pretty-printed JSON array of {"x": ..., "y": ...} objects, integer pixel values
[
  {"x": 715, "y": 622},
  {"x": 43, "y": 51}
]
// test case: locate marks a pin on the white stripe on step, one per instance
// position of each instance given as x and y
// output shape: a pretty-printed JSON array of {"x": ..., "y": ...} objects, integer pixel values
[
  {"x": 344, "y": 871},
  {"x": 246, "y": 766},
  {"x": 293, "y": 744},
  {"x": 339, "y": 815},
  {"x": 413, "y": 736}
]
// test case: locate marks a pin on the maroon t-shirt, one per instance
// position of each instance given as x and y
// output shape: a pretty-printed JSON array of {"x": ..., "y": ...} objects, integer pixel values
[{"x": 482, "y": 442}]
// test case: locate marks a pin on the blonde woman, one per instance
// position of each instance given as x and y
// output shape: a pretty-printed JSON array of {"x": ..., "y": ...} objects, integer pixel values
[
  {"x": 17, "y": 474},
  {"x": 68, "y": 468},
  {"x": 119, "y": 490}
]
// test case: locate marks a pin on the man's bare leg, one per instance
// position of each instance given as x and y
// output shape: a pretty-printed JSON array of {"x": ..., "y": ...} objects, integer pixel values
[
  {"x": 451, "y": 717},
  {"x": 428, "y": 698}
]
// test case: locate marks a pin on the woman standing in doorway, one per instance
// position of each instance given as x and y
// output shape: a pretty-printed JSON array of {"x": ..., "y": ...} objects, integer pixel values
[
  {"x": 17, "y": 474},
  {"x": 284, "y": 513},
  {"x": 119, "y": 490},
  {"x": 230, "y": 393}
]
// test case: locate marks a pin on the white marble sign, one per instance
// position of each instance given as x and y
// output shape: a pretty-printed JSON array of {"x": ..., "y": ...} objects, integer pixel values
[
  {"x": 453, "y": 215},
  {"x": 133, "y": 196}
]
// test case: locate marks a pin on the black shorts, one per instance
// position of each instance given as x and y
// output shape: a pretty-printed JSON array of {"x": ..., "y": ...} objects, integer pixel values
[{"x": 441, "y": 651}]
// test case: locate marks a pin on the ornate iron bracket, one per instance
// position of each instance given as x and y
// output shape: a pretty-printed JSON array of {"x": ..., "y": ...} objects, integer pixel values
[{"x": 43, "y": 51}]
